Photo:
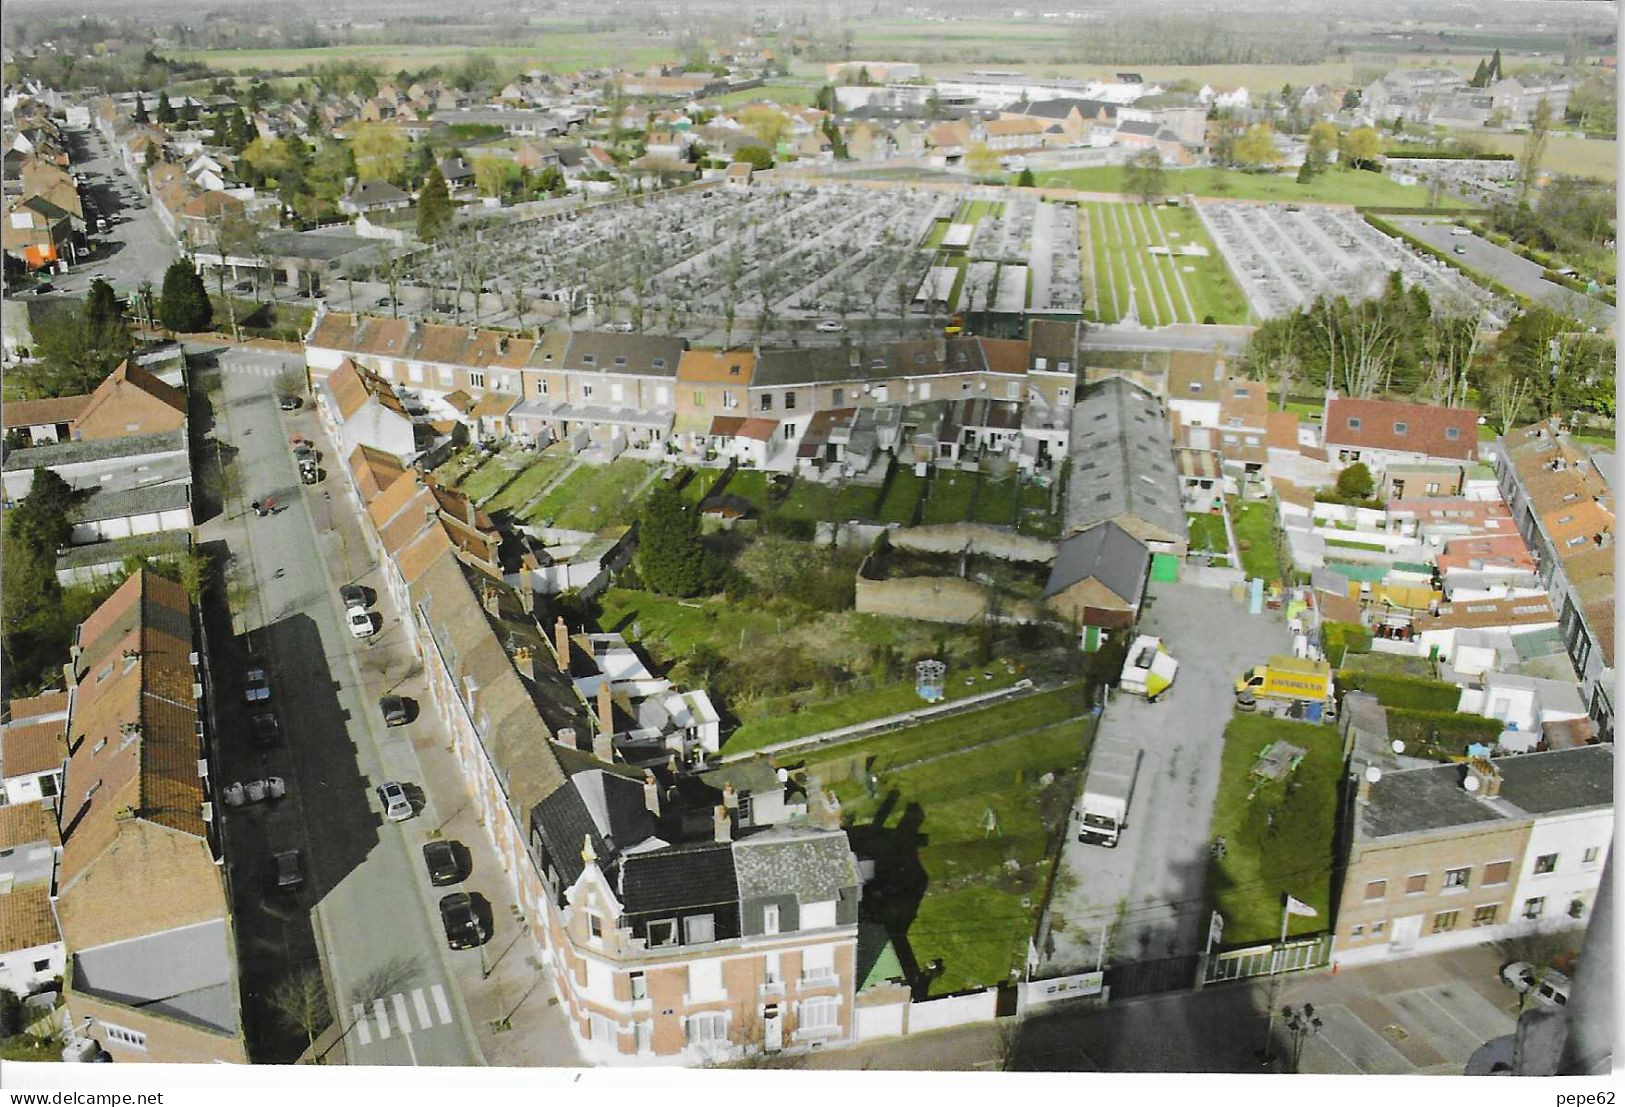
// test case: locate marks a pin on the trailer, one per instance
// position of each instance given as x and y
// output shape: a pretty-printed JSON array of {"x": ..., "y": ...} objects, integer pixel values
[
  {"x": 1107, "y": 791},
  {"x": 1149, "y": 669}
]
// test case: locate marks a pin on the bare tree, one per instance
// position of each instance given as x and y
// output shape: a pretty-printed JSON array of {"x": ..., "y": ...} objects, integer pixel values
[
  {"x": 733, "y": 268},
  {"x": 300, "y": 1001},
  {"x": 1534, "y": 148},
  {"x": 390, "y": 271}
]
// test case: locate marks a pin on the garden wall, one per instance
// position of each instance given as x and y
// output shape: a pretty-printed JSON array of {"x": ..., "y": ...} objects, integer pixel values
[{"x": 980, "y": 538}]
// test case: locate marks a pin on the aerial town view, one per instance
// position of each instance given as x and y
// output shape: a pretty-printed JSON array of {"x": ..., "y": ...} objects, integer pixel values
[{"x": 609, "y": 536}]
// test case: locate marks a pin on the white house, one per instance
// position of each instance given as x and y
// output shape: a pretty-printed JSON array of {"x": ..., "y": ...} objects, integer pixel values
[
  {"x": 361, "y": 409},
  {"x": 1562, "y": 866},
  {"x": 33, "y": 745},
  {"x": 31, "y": 949},
  {"x": 1523, "y": 704}
]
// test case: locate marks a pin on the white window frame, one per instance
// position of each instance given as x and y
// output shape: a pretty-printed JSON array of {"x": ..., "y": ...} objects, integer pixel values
[
  {"x": 705, "y": 1028},
  {"x": 638, "y": 984},
  {"x": 673, "y": 933},
  {"x": 770, "y": 919},
  {"x": 130, "y": 1039},
  {"x": 828, "y": 1012},
  {"x": 699, "y": 925}
]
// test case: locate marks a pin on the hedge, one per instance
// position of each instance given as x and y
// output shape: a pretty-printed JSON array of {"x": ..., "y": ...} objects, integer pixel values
[
  {"x": 1415, "y": 243},
  {"x": 1341, "y": 639},
  {"x": 1445, "y": 155},
  {"x": 1440, "y": 735},
  {"x": 1403, "y": 692}
]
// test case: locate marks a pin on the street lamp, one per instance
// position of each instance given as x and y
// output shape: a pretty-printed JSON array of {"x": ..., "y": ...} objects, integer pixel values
[{"x": 1300, "y": 1024}]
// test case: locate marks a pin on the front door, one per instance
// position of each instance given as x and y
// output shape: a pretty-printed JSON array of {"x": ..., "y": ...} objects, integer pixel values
[
  {"x": 772, "y": 1029},
  {"x": 1406, "y": 931}
]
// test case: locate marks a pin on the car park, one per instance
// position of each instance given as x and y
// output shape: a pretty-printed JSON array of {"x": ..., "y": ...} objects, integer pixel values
[
  {"x": 461, "y": 922},
  {"x": 440, "y": 857},
  {"x": 392, "y": 797},
  {"x": 289, "y": 872},
  {"x": 359, "y": 620},
  {"x": 396, "y": 711},
  {"x": 266, "y": 727},
  {"x": 256, "y": 686}
]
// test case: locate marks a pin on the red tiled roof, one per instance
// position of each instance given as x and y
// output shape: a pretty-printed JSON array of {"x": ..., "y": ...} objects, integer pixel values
[{"x": 1427, "y": 430}]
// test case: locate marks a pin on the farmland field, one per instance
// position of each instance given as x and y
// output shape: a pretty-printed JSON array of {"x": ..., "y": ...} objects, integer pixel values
[
  {"x": 1581, "y": 157},
  {"x": 1333, "y": 187},
  {"x": 559, "y": 50}
]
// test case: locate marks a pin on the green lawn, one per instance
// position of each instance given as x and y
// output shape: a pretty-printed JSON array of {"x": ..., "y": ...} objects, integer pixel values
[
  {"x": 782, "y": 93},
  {"x": 674, "y": 627},
  {"x": 1035, "y": 516},
  {"x": 1254, "y": 524},
  {"x": 938, "y": 231},
  {"x": 853, "y": 708},
  {"x": 927, "y": 827},
  {"x": 1213, "y": 291},
  {"x": 996, "y": 501},
  {"x": 1296, "y": 855},
  {"x": 949, "y": 497},
  {"x": 594, "y": 496},
  {"x": 701, "y": 481},
  {"x": 902, "y": 494},
  {"x": 1207, "y": 533},
  {"x": 1338, "y": 186},
  {"x": 488, "y": 479},
  {"x": 527, "y": 484}
]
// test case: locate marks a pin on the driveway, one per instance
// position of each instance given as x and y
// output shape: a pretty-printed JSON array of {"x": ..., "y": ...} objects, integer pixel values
[
  {"x": 1143, "y": 899},
  {"x": 1500, "y": 264},
  {"x": 366, "y": 906}
]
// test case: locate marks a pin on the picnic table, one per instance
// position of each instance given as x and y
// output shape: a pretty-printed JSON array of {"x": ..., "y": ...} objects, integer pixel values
[{"x": 1278, "y": 759}]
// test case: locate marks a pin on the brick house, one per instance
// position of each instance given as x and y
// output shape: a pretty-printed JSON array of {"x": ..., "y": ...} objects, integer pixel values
[
  {"x": 1448, "y": 856},
  {"x": 710, "y": 383},
  {"x": 152, "y": 963},
  {"x": 1381, "y": 432}
]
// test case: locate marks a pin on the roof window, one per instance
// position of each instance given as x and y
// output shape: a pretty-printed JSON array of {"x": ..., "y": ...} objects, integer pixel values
[
  {"x": 1401, "y": 428},
  {"x": 1354, "y": 423}
]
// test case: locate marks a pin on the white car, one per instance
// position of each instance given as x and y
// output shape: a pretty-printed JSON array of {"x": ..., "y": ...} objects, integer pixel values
[
  {"x": 619, "y": 326},
  {"x": 1460, "y": 232},
  {"x": 360, "y": 620},
  {"x": 830, "y": 326},
  {"x": 392, "y": 797}
]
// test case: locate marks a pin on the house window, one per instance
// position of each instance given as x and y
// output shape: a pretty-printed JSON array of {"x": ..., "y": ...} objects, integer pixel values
[
  {"x": 1497, "y": 872},
  {"x": 586, "y": 392},
  {"x": 789, "y": 431},
  {"x": 770, "y": 919},
  {"x": 596, "y": 925},
  {"x": 699, "y": 399},
  {"x": 839, "y": 396},
  {"x": 1577, "y": 908},
  {"x": 1415, "y": 883},
  {"x": 589, "y": 359},
  {"x": 818, "y": 964},
  {"x": 1545, "y": 863},
  {"x": 1432, "y": 488},
  {"x": 41, "y": 966},
  {"x": 1533, "y": 908},
  {"x": 663, "y": 932},
  {"x": 789, "y": 401},
  {"x": 822, "y": 1013},
  {"x": 699, "y": 928},
  {"x": 1354, "y": 424},
  {"x": 767, "y": 402},
  {"x": 712, "y": 1026},
  {"x": 1357, "y": 930},
  {"x": 1589, "y": 857},
  {"x": 124, "y": 1037},
  {"x": 1452, "y": 433},
  {"x": 476, "y": 380},
  {"x": 643, "y": 1034},
  {"x": 1376, "y": 929},
  {"x": 640, "y": 986},
  {"x": 1455, "y": 878},
  {"x": 1063, "y": 395},
  {"x": 1401, "y": 428},
  {"x": 541, "y": 388},
  {"x": 657, "y": 363},
  {"x": 1485, "y": 916},
  {"x": 1040, "y": 364},
  {"x": 1376, "y": 889},
  {"x": 728, "y": 400},
  {"x": 1445, "y": 921},
  {"x": 600, "y": 1029}
]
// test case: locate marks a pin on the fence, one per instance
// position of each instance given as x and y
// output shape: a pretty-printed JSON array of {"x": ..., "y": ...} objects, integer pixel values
[
  {"x": 934, "y": 1014},
  {"x": 1294, "y": 956},
  {"x": 1036, "y": 993}
]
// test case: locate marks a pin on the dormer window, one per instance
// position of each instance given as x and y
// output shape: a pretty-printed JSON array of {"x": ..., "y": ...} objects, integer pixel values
[
  {"x": 595, "y": 925},
  {"x": 1354, "y": 423},
  {"x": 620, "y": 362},
  {"x": 733, "y": 370},
  {"x": 658, "y": 363},
  {"x": 1452, "y": 433},
  {"x": 589, "y": 359}
]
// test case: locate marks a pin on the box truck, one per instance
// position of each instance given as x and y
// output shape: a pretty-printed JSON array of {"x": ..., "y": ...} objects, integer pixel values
[
  {"x": 1288, "y": 678},
  {"x": 1107, "y": 791},
  {"x": 1148, "y": 670}
]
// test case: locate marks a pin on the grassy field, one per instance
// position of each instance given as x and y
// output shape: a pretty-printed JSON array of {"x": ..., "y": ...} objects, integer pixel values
[
  {"x": 902, "y": 494},
  {"x": 1278, "y": 835},
  {"x": 486, "y": 479},
  {"x": 1334, "y": 187},
  {"x": 527, "y": 484},
  {"x": 559, "y": 51},
  {"x": 1255, "y": 535},
  {"x": 1207, "y": 533},
  {"x": 594, "y": 496},
  {"x": 948, "y": 888},
  {"x": 1579, "y": 157},
  {"x": 780, "y": 92},
  {"x": 1212, "y": 290},
  {"x": 950, "y": 497}
]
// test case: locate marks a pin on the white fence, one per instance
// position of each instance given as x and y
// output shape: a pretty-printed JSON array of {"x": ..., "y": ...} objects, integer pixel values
[{"x": 934, "y": 1014}]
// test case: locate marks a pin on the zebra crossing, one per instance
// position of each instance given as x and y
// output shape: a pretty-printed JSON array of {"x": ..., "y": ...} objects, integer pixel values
[
  {"x": 375, "y": 1019},
  {"x": 270, "y": 368}
]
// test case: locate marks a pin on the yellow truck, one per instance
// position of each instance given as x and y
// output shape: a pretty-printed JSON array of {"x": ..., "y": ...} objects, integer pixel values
[{"x": 1288, "y": 678}]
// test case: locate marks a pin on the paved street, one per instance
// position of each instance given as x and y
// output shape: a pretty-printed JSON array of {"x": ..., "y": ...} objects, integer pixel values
[
  {"x": 136, "y": 248},
  {"x": 1500, "y": 264},
  {"x": 366, "y": 903},
  {"x": 1149, "y": 888},
  {"x": 1422, "y": 1015}
]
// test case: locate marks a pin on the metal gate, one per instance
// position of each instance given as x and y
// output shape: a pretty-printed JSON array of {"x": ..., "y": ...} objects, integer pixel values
[{"x": 1293, "y": 956}]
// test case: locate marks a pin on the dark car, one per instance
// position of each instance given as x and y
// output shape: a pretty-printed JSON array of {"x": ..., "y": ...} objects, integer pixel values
[
  {"x": 354, "y": 595},
  {"x": 266, "y": 728},
  {"x": 441, "y": 858},
  {"x": 462, "y": 924},
  {"x": 395, "y": 711},
  {"x": 290, "y": 403}
]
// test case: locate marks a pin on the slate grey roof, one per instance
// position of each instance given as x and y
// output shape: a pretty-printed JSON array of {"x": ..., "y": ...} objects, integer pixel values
[
  {"x": 115, "y": 551},
  {"x": 812, "y": 865},
  {"x": 1412, "y": 801},
  {"x": 606, "y": 807},
  {"x": 1137, "y": 127},
  {"x": 184, "y": 973},
  {"x": 1105, "y": 552},
  {"x": 54, "y": 454},
  {"x": 822, "y": 364},
  {"x": 699, "y": 874},
  {"x": 132, "y": 502},
  {"x": 647, "y": 355},
  {"x": 1122, "y": 461}
]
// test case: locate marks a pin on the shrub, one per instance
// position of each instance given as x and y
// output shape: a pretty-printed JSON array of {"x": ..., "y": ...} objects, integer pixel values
[
  {"x": 1342, "y": 639},
  {"x": 1403, "y": 692},
  {"x": 1356, "y": 481},
  {"x": 1440, "y": 734}
]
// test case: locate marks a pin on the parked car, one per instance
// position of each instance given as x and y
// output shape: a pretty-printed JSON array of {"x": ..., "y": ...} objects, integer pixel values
[
  {"x": 393, "y": 799},
  {"x": 360, "y": 622},
  {"x": 461, "y": 923},
  {"x": 441, "y": 859},
  {"x": 395, "y": 711},
  {"x": 266, "y": 726},
  {"x": 256, "y": 686},
  {"x": 1459, "y": 249},
  {"x": 354, "y": 595},
  {"x": 618, "y": 326},
  {"x": 289, "y": 873},
  {"x": 830, "y": 326},
  {"x": 1460, "y": 232},
  {"x": 290, "y": 403}
]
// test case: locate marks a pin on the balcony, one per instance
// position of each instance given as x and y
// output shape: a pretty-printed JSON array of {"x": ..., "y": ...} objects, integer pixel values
[{"x": 771, "y": 989}]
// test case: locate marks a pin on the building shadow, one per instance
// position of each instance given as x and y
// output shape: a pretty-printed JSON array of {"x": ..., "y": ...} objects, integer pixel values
[{"x": 893, "y": 897}]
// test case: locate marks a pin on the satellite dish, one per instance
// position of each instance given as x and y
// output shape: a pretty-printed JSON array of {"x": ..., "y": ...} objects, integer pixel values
[
  {"x": 784, "y": 775},
  {"x": 1372, "y": 774},
  {"x": 1471, "y": 784},
  {"x": 1398, "y": 746}
]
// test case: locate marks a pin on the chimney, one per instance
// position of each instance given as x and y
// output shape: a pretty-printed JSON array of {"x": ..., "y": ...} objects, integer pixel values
[
  {"x": 1368, "y": 776},
  {"x": 606, "y": 708},
  {"x": 823, "y": 809},
  {"x": 566, "y": 736},
  {"x": 561, "y": 643},
  {"x": 721, "y": 824},
  {"x": 603, "y": 745},
  {"x": 651, "y": 793},
  {"x": 730, "y": 797},
  {"x": 491, "y": 598},
  {"x": 1483, "y": 778},
  {"x": 527, "y": 600},
  {"x": 523, "y": 662}
]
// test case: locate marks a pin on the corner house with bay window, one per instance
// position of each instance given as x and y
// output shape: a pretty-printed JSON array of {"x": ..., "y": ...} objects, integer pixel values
[{"x": 1446, "y": 856}]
